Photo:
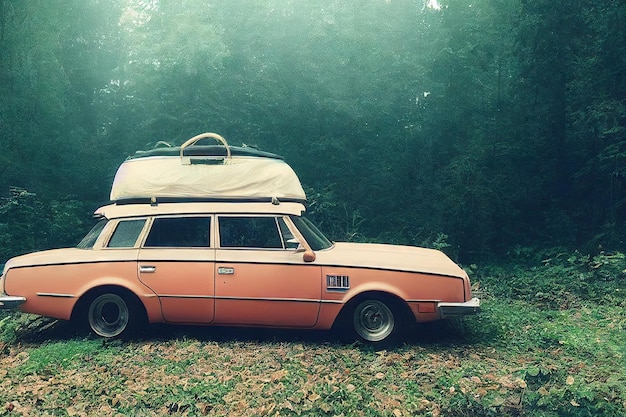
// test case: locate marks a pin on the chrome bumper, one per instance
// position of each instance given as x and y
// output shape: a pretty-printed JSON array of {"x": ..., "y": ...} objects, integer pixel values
[
  {"x": 8, "y": 302},
  {"x": 459, "y": 309}
]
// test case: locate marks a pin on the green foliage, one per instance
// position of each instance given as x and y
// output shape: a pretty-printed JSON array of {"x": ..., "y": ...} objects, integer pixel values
[
  {"x": 8, "y": 326},
  {"x": 28, "y": 224},
  {"x": 495, "y": 123},
  {"x": 337, "y": 221},
  {"x": 21, "y": 223},
  {"x": 559, "y": 279},
  {"x": 52, "y": 357}
]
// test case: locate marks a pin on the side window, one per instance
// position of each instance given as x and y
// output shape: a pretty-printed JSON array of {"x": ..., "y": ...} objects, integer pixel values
[
  {"x": 250, "y": 232},
  {"x": 126, "y": 233},
  {"x": 179, "y": 232}
]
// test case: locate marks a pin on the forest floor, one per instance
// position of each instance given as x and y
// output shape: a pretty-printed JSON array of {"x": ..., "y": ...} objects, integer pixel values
[{"x": 517, "y": 358}]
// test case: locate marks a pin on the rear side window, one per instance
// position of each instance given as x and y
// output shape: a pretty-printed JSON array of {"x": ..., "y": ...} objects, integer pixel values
[
  {"x": 179, "y": 232},
  {"x": 126, "y": 233}
]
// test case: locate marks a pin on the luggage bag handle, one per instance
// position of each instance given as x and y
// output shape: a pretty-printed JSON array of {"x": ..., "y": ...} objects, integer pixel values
[{"x": 196, "y": 138}]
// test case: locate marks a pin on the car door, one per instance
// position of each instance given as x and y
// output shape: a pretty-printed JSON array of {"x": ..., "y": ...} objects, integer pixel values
[
  {"x": 260, "y": 277},
  {"x": 177, "y": 262}
]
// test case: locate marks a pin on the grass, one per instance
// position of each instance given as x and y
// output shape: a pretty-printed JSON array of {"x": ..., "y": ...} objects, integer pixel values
[{"x": 552, "y": 355}]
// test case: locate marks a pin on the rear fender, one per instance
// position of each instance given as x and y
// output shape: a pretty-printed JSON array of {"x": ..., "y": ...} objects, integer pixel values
[{"x": 145, "y": 295}]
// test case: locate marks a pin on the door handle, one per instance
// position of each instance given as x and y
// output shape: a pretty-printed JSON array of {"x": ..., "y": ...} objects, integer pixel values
[
  {"x": 147, "y": 269},
  {"x": 225, "y": 270}
]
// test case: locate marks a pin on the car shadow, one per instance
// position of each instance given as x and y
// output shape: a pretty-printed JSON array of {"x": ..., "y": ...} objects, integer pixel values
[{"x": 36, "y": 330}]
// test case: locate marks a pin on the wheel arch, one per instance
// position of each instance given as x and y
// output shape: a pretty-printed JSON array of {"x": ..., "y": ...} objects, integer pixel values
[
  {"x": 79, "y": 310},
  {"x": 396, "y": 300}
]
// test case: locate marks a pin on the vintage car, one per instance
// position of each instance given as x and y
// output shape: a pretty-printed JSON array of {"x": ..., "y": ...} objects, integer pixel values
[{"x": 232, "y": 261}]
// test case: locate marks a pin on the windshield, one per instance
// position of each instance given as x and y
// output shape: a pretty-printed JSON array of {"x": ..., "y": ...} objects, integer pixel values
[
  {"x": 90, "y": 239},
  {"x": 311, "y": 233}
]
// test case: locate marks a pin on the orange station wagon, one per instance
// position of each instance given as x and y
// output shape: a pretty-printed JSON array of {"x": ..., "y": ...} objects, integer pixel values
[{"x": 232, "y": 261}]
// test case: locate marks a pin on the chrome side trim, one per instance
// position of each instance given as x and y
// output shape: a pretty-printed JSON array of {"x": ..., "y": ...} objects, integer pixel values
[
  {"x": 184, "y": 296},
  {"x": 55, "y": 295},
  {"x": 290, "y": 300},
  {"x": 293, "y": 300}
]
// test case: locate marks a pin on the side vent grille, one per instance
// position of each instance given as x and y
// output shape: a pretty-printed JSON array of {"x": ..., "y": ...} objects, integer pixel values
[{"x": 337, "y": 282}]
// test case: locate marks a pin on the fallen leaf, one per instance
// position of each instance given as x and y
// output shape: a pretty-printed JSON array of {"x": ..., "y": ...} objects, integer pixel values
[
  {"x": 314, "y": 397},
  {"x": 481, "y": 392},
  {"x": 497, "y": 402},
  {"x": 514, "y": 400},
  {"x": 574, "y": 403},
  {"x": 278, "y": 375},
  {"x": 325, "y": 407},
  {"x": 569, "y": 380}
]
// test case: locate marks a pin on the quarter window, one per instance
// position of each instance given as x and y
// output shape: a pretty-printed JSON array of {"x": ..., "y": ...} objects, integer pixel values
[
  {"x": 126, "y": 233},
  {"x": 187, "y": 232}
]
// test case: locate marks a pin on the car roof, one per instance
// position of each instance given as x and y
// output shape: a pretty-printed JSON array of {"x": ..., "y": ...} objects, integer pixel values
[{"x": 114, "y": 211}]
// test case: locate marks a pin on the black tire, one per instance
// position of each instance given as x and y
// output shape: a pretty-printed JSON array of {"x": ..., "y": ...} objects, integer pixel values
[
  {"x": 377, "y": 321},
  {"x": 111, "y": 315}
]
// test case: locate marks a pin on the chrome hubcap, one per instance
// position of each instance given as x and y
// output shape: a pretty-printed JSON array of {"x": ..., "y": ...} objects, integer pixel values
[
  {"x": 373, "y": 320},
  {"x": 108, "y": 315}
]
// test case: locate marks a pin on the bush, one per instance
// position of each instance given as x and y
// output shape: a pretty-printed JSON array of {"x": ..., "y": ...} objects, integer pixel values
[
  {"x": 29, "y": 223},
  {"x": 558, "y": 279}
]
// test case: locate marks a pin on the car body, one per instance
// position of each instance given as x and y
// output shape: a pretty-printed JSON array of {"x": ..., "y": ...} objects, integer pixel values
[{"x": 239, "y": 263}]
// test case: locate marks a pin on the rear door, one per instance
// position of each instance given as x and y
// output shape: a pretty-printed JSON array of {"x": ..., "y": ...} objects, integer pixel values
[{"x": 177, "y": 262}]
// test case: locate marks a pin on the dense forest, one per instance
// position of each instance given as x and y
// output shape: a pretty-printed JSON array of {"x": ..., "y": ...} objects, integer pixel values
[{"x": 480, "y": 127}]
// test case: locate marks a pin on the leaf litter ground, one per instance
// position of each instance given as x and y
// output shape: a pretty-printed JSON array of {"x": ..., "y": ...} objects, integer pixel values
[{"x": 485, "y": 365}]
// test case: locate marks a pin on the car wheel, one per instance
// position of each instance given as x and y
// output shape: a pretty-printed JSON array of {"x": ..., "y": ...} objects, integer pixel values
[
  {"x": 376, "y": 321},
  {"x": 110, "y": 315}
]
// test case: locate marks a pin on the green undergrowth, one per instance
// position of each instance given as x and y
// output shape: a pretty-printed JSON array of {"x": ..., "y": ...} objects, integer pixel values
[
  {"x": 558, "y": 279},
  {"x": 540, "y": 347}
]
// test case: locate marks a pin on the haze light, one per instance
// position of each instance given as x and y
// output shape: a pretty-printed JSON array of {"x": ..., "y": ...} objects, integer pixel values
[{"x": 433, "y": 4}]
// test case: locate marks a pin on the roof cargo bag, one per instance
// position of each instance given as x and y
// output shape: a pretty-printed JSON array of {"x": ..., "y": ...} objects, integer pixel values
[{"x": 203, "y": 173}]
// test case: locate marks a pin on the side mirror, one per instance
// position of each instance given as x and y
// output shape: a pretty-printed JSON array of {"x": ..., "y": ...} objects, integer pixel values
[{"x": 308, "y": 256}]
